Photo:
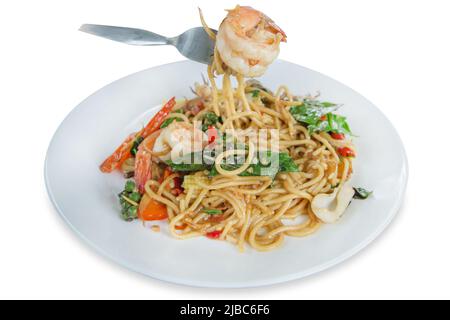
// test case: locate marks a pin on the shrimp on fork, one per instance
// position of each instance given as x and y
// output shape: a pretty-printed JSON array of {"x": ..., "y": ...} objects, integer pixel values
[{"x": 248, "y": 41}]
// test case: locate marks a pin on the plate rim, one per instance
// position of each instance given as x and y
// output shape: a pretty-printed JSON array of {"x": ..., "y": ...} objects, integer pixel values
[{"x": 242, "y": 284}]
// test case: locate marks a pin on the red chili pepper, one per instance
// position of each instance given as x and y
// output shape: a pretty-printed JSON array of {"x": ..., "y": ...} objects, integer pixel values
[
  {"x": 337, "y": 136},
  {"x": 212, "y": 134},
  {"x": 177, "y": 189},
  {"x": 346, "y": 152},
  {"x": 214, "y": 234},
  {"x": 175, "y": 186},
  {"x": 324, "y": 117}
]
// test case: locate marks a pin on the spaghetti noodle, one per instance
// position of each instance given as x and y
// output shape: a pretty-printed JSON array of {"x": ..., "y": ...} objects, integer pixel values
[{"x": 237, "y": 202}]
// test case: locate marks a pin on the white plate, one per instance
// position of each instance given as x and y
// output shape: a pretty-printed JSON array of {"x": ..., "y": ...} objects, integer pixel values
[{"x": 87, "y": 201}]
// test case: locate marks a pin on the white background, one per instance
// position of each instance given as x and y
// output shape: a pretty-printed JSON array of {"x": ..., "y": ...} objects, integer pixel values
[{"x": 395, "y": 53}]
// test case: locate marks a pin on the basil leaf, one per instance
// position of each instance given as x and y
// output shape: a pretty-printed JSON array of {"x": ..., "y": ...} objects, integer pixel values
[
  {"x": 361, "y": 193},
  {"x": 339, "y": 124},
  {"x": 287, "y": 164},
  {"x": 189, "y": 162},
  {"x": 304, "y": 115},
  {"x": 311, "y": 113},
  {"x": 186, "y": 167},
  {"x": 262, "y": 167},
  {"x": 328, "y": 104},
  {"x": 255, "y": 93}
]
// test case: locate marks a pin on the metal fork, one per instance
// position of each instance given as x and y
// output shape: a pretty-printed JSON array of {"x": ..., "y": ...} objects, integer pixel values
[{"x": 194, "y": 44}]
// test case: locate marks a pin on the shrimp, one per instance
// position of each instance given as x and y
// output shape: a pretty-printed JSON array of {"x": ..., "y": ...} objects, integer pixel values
[
  {"x": 178, "y": 139},
  {"x": 123, "y": 152},
  {"x": 248, "y": 41},
  {"x": 143, "y": 162}
]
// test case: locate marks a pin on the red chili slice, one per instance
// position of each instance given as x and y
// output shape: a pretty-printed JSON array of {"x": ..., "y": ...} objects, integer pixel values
[
  {"x": 214, "y": 234},
  {"x": 212, "y": 134},
  {"x": 337, "y": 136},
  {"x": 346, "y": 152}
]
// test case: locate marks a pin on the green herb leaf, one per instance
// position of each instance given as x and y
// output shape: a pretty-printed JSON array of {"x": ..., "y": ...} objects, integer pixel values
[
  {"x": 287, "y": 164},
  {"x": 210, "y": 119},
  {"x": 169, "y": 121},
  {"x": 333, "y": 123},
  {"x": 255, "y": 93},
  {"x": 212, "y": 211},
  {"x": 135, "y": 145},
  {"x": 186, "y": 167},
  {"x": 189, "y": 162},
  {"x": 311, "y": 113},
  {"x": 262, "y": 167},
  {"x": 327, "y": 104},
  {"x": 361, "y": 193}
]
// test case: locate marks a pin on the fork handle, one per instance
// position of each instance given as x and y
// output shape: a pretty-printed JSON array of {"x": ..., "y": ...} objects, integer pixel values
[{"x": 137, "y": 37}]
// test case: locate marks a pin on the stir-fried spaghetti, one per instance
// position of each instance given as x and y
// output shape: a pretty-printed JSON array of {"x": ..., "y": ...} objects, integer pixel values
[{"x": 248, "y": 201}]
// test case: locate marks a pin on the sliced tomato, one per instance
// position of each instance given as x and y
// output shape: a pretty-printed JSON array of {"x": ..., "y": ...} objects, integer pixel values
[{"x": 150, "y": 209}]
